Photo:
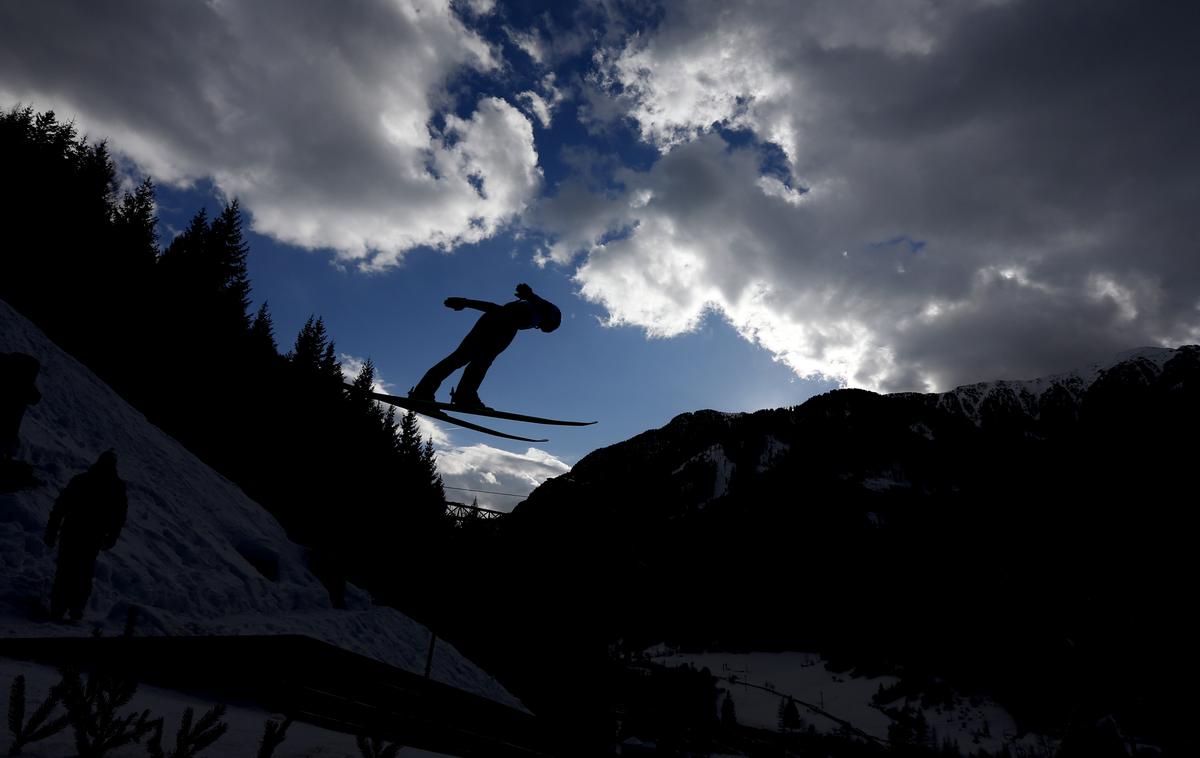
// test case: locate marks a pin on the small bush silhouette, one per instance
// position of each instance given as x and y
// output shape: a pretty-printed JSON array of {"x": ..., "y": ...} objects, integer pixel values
[
  {"x": 191, "y": 739},
  {"x": 274, "y": 733},
  {"x": 374, "y": 747},
  {"x": 39, "y": 726},
  {"x": 92, "y": 708}
]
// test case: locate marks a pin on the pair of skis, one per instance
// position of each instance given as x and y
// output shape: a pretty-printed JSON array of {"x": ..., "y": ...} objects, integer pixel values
[{"x": 438, "y": 411}]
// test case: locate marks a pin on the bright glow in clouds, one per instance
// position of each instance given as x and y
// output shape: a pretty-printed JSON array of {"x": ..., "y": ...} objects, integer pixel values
[
  {"x": 318, "y": 121},
  {"x": 484, "y": 467},
  {"x": 924, "y": 230},
  {"x": 476, "y": 467}
]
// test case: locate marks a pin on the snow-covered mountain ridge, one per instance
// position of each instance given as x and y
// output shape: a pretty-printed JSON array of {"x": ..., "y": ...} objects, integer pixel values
[
  {"x": 704, "y": 451},
  {"x": 196, "y": 555},
  {"x": 1031, "y": 394}
]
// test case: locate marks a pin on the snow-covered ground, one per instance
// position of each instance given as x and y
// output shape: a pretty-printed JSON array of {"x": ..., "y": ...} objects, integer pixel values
[
  {"x": 182, "y": 557},
  {"x": 762, "y": 680},
  {"x": 245, "y": 724}
]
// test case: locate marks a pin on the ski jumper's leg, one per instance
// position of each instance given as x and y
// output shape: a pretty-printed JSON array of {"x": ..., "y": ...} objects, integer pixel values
[
  {"x": 481, "y": 360},
  {"x": 468, "y": 386},
  {"x": 472, "y": 345},
  {"x": 434, "y": 377}
]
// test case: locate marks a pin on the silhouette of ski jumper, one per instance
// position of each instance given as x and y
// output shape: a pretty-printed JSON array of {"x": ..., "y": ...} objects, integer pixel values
[{"x": 492, "y": 333}]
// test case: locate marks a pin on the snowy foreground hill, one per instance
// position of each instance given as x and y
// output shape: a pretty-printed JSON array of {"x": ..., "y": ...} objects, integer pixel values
[{"x": 186, "y": 557}]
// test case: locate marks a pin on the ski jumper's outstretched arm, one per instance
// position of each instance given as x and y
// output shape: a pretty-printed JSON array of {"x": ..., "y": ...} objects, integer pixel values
[{"x": 458, "y": 303}]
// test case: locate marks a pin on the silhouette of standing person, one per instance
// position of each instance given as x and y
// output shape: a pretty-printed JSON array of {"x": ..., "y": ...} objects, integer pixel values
[
  {"x": 18, "y": 391},
  {"x": 86, "y": 518},
  {"x": 492, "y": 333}
]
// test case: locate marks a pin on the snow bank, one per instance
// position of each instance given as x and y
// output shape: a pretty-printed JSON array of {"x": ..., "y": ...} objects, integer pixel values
[{"x": 183, "y": 555}]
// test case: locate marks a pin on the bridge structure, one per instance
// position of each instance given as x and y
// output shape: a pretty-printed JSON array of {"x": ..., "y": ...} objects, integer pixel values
[{"x": 466, "y": 514}]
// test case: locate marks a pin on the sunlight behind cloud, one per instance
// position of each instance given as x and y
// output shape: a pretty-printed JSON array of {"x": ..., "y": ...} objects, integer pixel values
[
  {"x": 919, "y": 231},
  {"x": 483, "y": 467}
]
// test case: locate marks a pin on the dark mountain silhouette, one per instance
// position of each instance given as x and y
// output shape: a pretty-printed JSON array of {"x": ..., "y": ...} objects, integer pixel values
[{"x": 1022, "y": 537}]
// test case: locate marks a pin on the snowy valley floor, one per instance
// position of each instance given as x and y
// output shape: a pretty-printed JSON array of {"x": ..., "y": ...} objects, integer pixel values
[{"x": 758, "y": 682}]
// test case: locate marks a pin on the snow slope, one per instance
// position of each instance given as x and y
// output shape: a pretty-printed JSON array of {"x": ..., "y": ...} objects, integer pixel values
[
  {"x": 181, "y": 557},
  {"x": 972, "y": 724},
  {"x": 245, "y": 723}
]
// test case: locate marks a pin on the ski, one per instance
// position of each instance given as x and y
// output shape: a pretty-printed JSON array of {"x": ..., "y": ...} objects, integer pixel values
[
  {"x": 442, "y": 416},
  {"x": 426, "y": 407}
]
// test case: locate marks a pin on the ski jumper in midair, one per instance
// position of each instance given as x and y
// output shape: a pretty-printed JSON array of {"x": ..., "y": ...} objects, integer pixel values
[{"x": 492, "y": 333}]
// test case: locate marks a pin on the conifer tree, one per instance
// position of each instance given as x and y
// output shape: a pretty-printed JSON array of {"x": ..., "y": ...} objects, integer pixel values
[
  {"x": 430, "y": 470},
  {"x": 180, "y": 260},
  {"x": 228, "y": 251},
  {"x": 391, "y": 429},
  {"x": 262, "y": 333},
  {"x": 310, "y": 346},
  {"x": 410, "y": 439},
  {"x": 136, "y": 227}
]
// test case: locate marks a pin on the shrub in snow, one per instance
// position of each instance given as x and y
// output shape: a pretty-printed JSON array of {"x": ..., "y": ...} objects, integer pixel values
[
  {"x": 92, "y": 709},
  {"x": 191, "y": 739},
  {"x": 373, "y": 747},
  {"x": 37, "y": 727},
  {"x": 274, "y": 733}
]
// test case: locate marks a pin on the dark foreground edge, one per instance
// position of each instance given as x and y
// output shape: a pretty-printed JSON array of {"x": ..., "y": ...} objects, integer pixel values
[{"x": 311, "y": 681}]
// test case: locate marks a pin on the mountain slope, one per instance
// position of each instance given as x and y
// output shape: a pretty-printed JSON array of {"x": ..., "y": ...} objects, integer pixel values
[
  {"x": 196, "y": 555},
  {"x": 1025, "y": 538}
]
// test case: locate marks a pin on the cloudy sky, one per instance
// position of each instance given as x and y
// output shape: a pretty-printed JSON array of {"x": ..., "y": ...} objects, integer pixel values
[{"x": 735, "y": 204}]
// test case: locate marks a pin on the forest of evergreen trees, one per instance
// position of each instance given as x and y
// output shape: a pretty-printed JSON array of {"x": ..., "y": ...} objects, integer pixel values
[{"x": 169, "y": 328}]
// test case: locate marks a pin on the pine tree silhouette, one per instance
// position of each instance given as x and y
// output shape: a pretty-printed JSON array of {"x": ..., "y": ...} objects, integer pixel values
[{"x": 262, "y": 334}]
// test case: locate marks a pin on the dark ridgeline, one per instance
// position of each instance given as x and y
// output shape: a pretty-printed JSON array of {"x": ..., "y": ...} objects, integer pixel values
[{"x": 170, "y": 331}]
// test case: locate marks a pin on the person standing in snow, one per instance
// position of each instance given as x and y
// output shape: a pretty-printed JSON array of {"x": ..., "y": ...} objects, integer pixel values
[
  {"x": 18, "y": 391},
  {"x": 492, "y": 333},
  {"x": 87, "y": 518}
]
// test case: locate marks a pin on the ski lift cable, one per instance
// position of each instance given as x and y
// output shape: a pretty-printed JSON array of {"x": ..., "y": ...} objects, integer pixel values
[{"x": 484, "y": 492}]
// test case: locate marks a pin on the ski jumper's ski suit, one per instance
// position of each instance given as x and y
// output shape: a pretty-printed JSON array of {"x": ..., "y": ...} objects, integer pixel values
[{"x": 492, "y": 333}]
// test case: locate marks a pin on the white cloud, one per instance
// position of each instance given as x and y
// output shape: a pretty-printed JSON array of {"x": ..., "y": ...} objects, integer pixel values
[
  {"x": 352, "y": 366},
  {"x": 542, "y": 105},
  {"x": 530, "y": 41},
  {"x": 316, "y": 116},
  {"x": 914, "y": 228},
  {"x": 483, "y": 467},
  {"x": 480, "y": 7},
  {"x": 710, "y": 63}
]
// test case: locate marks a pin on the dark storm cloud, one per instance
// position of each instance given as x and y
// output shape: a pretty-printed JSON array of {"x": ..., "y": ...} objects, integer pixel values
[{"x": 1045, "y": 154}]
